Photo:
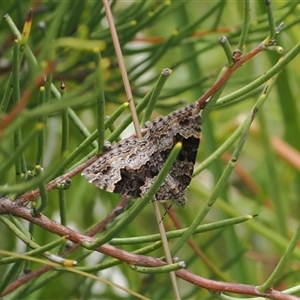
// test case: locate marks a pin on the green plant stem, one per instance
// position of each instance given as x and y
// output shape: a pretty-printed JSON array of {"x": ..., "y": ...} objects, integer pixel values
[
  {"x": 41, "y": 134},
  {"x": 155, "y": 93},
  {"x": 64, "y": 124},
  {"x": 139, "y": 205},
  {"x": 246, "y": 23},
  {"x": 62, "y": 206},
  {"x": 284, "y": 61},
  {"x": 166, "y": 248},
  {"x": 178, "y": 233},
  {"x": 271, "y": 20},
  {"x": 43, "y": 192},
  {"x": 20, "y": 164},
  {"x": 281, "y": 266},
  {"x": 100, "y": 102},
  {"x": 65, "y": 132},
  {"x": 158, "y": 270},
  {"x": 227, "y": 49},
  {"x": 113, "y": 262}
]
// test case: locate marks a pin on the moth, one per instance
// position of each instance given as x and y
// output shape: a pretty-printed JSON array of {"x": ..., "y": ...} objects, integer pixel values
[{"x": 132, "y": 165}]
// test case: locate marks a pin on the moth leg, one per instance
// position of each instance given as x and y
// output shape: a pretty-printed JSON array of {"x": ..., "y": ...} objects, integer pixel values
[{"x": 107, "y": 146}]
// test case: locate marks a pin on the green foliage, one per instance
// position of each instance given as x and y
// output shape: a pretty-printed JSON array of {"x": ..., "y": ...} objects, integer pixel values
[{"x": 52, "y": 89}]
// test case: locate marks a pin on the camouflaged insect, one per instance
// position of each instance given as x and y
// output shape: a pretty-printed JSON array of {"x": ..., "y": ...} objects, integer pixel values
[{"x": 132, "y": 165}]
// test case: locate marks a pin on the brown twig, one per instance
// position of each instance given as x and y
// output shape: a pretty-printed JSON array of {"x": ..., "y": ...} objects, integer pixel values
[
  {"x": 229, "y": 72},
  {"x": 52, "y": 185}
]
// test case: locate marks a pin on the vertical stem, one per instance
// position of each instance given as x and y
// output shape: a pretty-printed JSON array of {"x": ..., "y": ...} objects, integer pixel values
[
  {"x": 122, "y": 68},
  {"x": 166, "y": 249},
  {"x": 100, "y": 102},
  {"x": 21, "y": 169}
]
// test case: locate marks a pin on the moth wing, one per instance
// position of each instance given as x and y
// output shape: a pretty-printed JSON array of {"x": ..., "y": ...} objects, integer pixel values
[{"x": 124, "y": 160}]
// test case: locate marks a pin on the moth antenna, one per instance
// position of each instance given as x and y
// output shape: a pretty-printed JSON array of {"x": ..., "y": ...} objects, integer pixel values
[{"x": 167, "y": 210}]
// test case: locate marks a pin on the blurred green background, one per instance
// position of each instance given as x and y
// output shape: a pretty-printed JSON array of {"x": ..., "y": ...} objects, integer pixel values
[{"x": 155, "y": 35}]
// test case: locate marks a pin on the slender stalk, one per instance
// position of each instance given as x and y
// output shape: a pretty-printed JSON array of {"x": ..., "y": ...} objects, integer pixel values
[
  {"x": 65, "y": 124},
  {"x": 227, "y": 49},
  {"x": 155, "y": 93},
  {"x": 100, "y": 102},
  {"x": 246, "y": 24},
  {"x": 20, "y": 165},
  {"x": 171, "y": 267},
  {"x": 65, "y": 132},
  {"x": 179, "y": 232},
  {"x": 122, "y": 68},
  {"x": 43, "y": 193},
  {"x": 42, "y": 133}
]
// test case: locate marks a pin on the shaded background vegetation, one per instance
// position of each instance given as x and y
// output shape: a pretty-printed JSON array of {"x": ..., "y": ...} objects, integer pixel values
[{"x": 156, "y": 35}]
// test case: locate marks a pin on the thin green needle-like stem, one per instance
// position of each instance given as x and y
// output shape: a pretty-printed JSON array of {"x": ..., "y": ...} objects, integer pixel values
[
  {"x": 43, "y": 192},
  {"x": 64, "y": 151},
  {"x": 41, "y": 135},
  {"x": 271, "y": 19},
  {"x": 113, "y": 262},
  {"x": 155, "y": 93},
  {"x": 64, "y": 124},
  {"x": 179, "y": 232},
  {"x": 170, "y": 268},
  {"x": 227, "y": 49},
  {"x": 246, "y": 23},
  {"x": 20, "y": 164},
  {"x": 62, "y": 206},
  {"x": 167, "y": 251},
  {"x": 100, "y": 101}
]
